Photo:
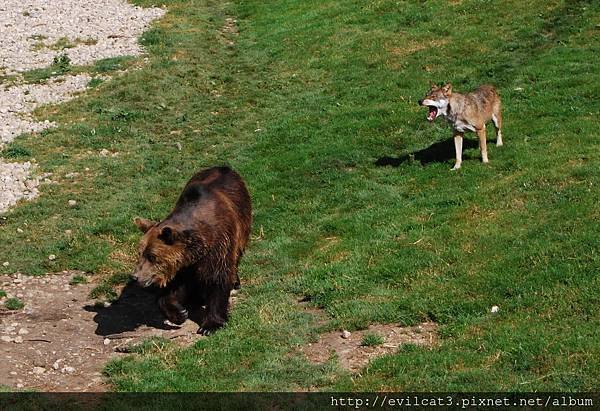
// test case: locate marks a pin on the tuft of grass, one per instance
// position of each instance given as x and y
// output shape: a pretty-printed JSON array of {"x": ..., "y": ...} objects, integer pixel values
[
  {"x": 13, "y": 303},
  {"x": 61, "y": 63},
  {"x": 95, "y": 82},
  {"x": 78, "y": 279},
  {"x": 16, "y": 151},
  {"x": 2, "y": 293},
  {"x": 372, "y": 340}
]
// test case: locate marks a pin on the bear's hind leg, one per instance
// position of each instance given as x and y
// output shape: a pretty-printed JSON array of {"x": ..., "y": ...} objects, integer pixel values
[{"x": 217, "y": 304}]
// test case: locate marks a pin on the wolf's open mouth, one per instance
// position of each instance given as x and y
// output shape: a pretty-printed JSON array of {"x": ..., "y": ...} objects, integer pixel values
[{"x": 432, "y": 113}]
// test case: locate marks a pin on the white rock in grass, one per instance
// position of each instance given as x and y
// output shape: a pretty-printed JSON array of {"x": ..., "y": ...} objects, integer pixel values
[
  {"x": 495, "y": 309},
  {"x": 346, "y": 334}
]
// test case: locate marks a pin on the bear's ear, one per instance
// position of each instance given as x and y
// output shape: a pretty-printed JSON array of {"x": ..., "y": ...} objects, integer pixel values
[
  {"x": 143, "y": 224},
  {"x": 447, "y": 89},
  {"x": 168, "y": 235}
]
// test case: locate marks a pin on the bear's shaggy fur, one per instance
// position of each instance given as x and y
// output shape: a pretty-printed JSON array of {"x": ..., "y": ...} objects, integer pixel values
[{"x": 193, "y": 254}]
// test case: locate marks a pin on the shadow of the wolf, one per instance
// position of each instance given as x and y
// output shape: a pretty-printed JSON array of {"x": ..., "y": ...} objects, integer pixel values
[
  {"x": 135, "y": 307},
  {"x": 440, "y": 152}
]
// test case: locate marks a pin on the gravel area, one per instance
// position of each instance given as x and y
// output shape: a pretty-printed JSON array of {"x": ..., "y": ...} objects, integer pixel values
[
  {"x": 18, "y": 102},
  {"x": 33, "y": 29},
  {"x": 34, "y": 32}
]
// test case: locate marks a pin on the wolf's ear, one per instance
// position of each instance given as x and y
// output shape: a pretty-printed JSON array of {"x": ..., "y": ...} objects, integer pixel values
[
  {"x": 447, "y": 89},
  {"x": 143, "y": 224},
  {"x": 168, "y": 235}
]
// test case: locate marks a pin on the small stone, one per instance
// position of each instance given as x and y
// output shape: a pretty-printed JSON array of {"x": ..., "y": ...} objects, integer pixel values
[
  {"x": 23, "y": 331},
  {"x": 104, "y": 152},
  {"x": 495, "y": 309},
  {"x": 72, "y": 203},
  {"x": 106, "y": 341},
  {"x": 19, "y": 385},
  {"x": 18, "y": 340},
  {"x": 39, "y": 370},
  {"x": 68, "y": 232},
  {"x": 56, "y": 364},
  {"x": 346, "y": 334},
  {"x": 51, "y": 257},
  {"x": 68, "y": 369},
  {"x": 6, "y": 338},
  {"x": 6, "y": 264},
  {"x": 19, "y": 230}
]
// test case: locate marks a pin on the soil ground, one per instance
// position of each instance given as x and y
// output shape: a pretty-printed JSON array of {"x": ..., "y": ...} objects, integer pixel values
[
  {"x": 353, "y": 356},
  {"x": 61, "y": 339}
]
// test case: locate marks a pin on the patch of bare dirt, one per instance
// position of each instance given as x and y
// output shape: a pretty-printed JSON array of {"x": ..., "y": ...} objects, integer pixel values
[
  {"x": 61, "y": 339},
  {"x": 353, "y": 356}
]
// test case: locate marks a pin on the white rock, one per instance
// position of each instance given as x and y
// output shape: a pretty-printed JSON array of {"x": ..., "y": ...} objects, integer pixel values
[
  {"x": 68, "y": 369},
  {"x": 495, "y": 309},
  {"x": 106, "y": 341},
  {"x": 23, "y": 331},
  {"x": 346, "y": 334},
  {"x": 6, "y": 264},
  {"x": 72, "y": 203},
  {"x": 6, "y": 338},
  {"x": 39, "y": 370},
  {"x": 51, "y": 257},
  {"x": 18, "y": 340}
]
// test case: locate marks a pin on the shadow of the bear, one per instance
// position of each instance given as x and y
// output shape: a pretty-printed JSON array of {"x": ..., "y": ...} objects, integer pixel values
[
  {"x": 440, "y": 152},
  {"x": 136, "y": 307}
]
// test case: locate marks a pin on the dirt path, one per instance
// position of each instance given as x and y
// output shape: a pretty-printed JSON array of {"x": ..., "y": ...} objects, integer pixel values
[{"x": 61, "y": 339}]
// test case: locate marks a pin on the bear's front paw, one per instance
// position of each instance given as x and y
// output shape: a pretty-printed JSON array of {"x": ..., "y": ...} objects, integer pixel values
[
  {"x": 208, "y": 327},
  {"x": 178, "y": 316}
]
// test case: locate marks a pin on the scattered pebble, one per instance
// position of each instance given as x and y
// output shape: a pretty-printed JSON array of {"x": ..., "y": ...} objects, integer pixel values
[
  {"x": 346, "y": 334},
  {"x": 51, "y": 257},
  {"x": 106, "y": 341},
  {"x": 39, "y": 370},
  {"x": 495, "y": 309},
  {"x": 6, "y": 264},
  {"x": 72, "y": 203}
]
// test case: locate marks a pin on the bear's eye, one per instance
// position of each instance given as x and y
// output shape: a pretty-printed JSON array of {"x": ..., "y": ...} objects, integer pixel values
[{"x": 151, "y": 258}]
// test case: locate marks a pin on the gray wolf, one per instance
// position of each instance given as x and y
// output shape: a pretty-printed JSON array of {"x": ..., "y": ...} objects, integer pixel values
[{"x": 466, "y": 112}]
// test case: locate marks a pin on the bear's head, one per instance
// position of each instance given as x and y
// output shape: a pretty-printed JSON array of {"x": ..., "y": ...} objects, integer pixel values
[{"x": 162, "y": 253}]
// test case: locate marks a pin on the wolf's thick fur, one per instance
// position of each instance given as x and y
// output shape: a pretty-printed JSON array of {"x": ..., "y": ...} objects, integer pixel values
[
  {"x": 193, "y": 254},
  {"x": 466, "y": 112}
]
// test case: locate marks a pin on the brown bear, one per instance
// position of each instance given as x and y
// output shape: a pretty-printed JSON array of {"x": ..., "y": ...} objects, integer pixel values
[{"x": 193, "y": 254}]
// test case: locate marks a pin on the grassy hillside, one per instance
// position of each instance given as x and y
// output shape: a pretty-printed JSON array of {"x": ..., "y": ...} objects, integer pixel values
[{"x": 305, "y": 99}]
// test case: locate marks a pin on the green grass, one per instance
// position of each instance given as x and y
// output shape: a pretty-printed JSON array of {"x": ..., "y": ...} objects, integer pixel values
[
  {"x": 2, "y": 293},
  {"x": 372, "y": 340},
  {"x": 303, "y": 103},
  {"x": 13, "y": 304},
  {"x": 78, "y": 279}
]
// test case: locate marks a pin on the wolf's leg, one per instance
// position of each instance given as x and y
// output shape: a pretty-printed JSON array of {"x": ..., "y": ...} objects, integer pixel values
[
  {"x": 458, "y": 141},
  {"x": 483, "y": 144},
  {"x": 497, "y": 119}
]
